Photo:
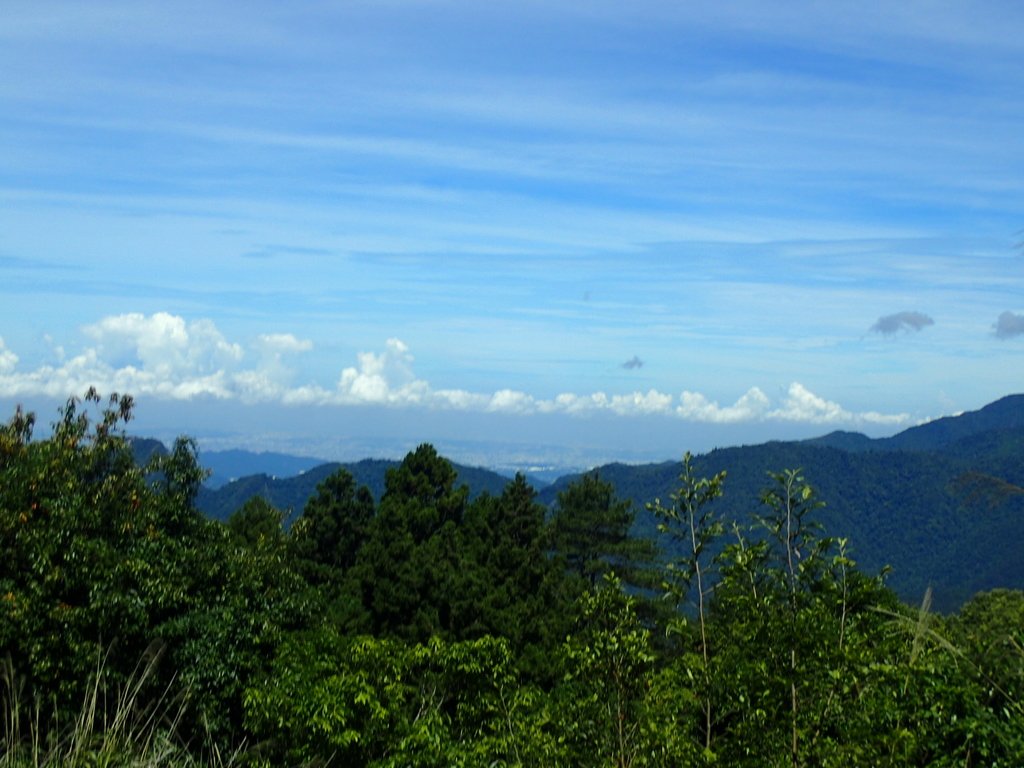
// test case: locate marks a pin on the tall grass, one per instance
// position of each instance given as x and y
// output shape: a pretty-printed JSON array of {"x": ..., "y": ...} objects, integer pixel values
[{"x": 112, "y": 728}]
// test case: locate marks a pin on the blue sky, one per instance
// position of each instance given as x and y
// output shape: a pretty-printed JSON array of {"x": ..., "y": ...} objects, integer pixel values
[{"x": 523, "y": 231}]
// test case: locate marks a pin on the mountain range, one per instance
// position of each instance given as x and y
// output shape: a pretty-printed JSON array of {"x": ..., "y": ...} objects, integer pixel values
[{"x": 941, "y": 504}]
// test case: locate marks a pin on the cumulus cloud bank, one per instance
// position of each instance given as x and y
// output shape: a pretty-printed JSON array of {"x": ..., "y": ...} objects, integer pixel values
[
  {"x": 901, "y": 321},
  {"x": 1007, "y": 326},
  {"x": 165, "y": 356},
  {"x": 694, "y": 406},
  {"x": 798, "y": 405}
]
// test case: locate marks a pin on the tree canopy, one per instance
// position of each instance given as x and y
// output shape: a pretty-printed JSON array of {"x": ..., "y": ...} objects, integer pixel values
[{"x": 431, "y": 629}]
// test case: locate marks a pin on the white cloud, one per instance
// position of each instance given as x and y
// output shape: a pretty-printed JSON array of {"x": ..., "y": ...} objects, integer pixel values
[
  {"x": 694, "y": 406},
  {"x": 159, "y": 355},
  {"x": 281, "y": 343},
  {"x": 7, "y": 358},
  {"x": 384, "y": 379},
  {"x": 460, "y": 400},
  {"x": 306, "y": 395},
  {"x": 803, "y": 405},
  {"x": 576, "y": 404},
  {"x": 511, "y": 401},
  {"x": 637, "y": 403},
  {"x": 889, "y": 419},
  {"x": 164, "y": 356},
  {"x": 257, "y": 386},
  {"x": 164, "y": 345},
  {"x": 271, "y": 378},
  {"x": 799, "y": 405}
]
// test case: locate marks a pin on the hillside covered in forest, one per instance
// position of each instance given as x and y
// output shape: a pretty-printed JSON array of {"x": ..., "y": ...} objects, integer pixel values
[
  {"x": 941, "y": 504},
  {"x": 424, "y": 625}
]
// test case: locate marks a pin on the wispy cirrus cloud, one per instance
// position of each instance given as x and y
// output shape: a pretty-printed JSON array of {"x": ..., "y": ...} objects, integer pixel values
[{"x": 168, "y": 357}]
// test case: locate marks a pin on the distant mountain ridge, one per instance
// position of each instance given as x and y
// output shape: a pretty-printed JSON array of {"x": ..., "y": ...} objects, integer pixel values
[
  {"x": 1005, "y": 413},
  {"x": 941, "y": 502},
  {"x": 233, "y": 464},
  {"x": 290, "y": 494}
]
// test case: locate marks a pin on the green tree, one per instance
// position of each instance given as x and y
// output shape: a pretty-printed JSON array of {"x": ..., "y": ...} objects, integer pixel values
[
  {"x": 800, "y": 551},
  {"x": 803, "y": 667},
  {"x": 506, "y": 585},
  {"x": 257, "y": 523},
  {"x": 608, "y": 715},
  {"x": 403, "y": 574},
  {"x": 77, "y": 521},
  {"x": 989, "y": 629},
  {"x": 111, "y": 561},
  {"x": 379, "y": 702},
  {"x": 240, "y": 603},
  {"x": 334, "y": 524},
  {"x": 691, "y": 520},
  {"x": 590, "y": 532},
  {"x": 988, "y": 634},
  {"x": 422, "y": 489}
]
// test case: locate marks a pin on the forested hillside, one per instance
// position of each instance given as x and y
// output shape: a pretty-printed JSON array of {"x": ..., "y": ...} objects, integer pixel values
[
  {"x": 950, "y": 520},
  {"x": 429, "y": 628},
  {"x": 291, "y": 493},
  {"x": 942, "y": 503},
  {"x": 225, "y": 466}
]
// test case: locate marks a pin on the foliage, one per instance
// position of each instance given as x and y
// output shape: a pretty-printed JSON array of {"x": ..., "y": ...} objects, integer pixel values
[
  {"x": 333, "y": 526},
  {"x": 257, "y": 523},
  {"x": 84, "y": 529},
  {"x": 434, "y": 564},
  {"x": 909, "y": 509},
  {"x": 436, "y": 629},
  {"x": 107, "y": 555},
  {"x": 116, "y": 726},
  {"x": 691, "y": 519},
  {"x": 506, "y": 586},
  {"x": 402, "y": 572},
  {"x": 377, "y": 702},
  {"x": 610, "y": 709},
  {"x": 590, "y": 532},
  {"x": 293, "y": 492}
]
